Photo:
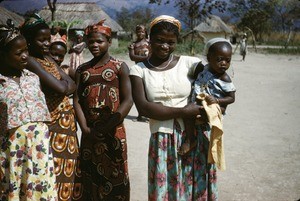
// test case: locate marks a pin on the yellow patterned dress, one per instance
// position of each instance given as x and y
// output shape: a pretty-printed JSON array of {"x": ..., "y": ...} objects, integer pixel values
[{"x": 64, "y": 141}]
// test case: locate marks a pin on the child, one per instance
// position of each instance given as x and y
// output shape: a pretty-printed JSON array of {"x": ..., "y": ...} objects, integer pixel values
[
  {"x": 58, "y": 50},
  {"x": 102, "y": 101},
  {"x": 26, "y": 161},
  {"x": 76, "y": 51},
  {"x": 212, "y": 84},
  {"x": 140, "y": 51}
]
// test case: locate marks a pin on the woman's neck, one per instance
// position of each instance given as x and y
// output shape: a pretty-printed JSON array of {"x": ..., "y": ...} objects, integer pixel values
[{"x": 101, "y": 60}]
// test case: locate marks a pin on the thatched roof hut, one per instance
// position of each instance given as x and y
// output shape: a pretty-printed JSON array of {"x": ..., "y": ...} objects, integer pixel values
[
  {"x": 6, "y": 14},
  {"x": 212, "y": 27},
  {"x": 85, "y": 12}
]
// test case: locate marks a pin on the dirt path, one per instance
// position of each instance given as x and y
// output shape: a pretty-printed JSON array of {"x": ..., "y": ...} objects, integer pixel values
[{"x": 262, "y": 134}]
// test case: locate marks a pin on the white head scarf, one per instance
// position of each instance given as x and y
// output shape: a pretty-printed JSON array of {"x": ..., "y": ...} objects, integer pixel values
[{"x": 213, "y": 41}]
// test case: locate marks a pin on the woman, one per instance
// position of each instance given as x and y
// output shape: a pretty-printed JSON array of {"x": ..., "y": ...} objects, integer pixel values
[
  {"x": 102, "y": 101},
  {"x": 26, "y": 161},
  {"x": 76, "y": 51},
  {"x": 161, "y": 87},
  {"x": 57, "y": 86}
]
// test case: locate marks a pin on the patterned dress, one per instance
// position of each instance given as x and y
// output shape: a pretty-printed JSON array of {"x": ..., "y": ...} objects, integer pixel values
[
  {"x": 64, "y": 141},
  {"x": 103, "y": 155},
  {"x": 26, "y": 161}
]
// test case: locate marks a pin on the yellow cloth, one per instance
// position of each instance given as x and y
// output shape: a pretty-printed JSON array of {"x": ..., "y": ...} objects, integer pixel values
[{"x": 216, "y": 150}]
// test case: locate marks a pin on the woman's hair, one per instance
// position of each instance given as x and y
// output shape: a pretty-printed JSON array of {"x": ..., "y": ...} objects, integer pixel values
[
  {"x": 164, "y": 25},
  {"x": 32, "y": 25}
]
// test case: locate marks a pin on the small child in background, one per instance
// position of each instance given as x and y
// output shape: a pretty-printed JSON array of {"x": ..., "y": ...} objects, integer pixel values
[
  {"x": 213, "y": 84},
  {"x": 140, "y": 51}
]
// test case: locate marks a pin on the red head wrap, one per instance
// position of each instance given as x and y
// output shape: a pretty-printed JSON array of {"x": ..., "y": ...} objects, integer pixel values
[{"x": 99, "y": 27}]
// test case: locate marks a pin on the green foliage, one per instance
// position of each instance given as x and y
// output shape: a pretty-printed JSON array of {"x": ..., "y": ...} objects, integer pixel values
[{"x": 128, "y": 19}]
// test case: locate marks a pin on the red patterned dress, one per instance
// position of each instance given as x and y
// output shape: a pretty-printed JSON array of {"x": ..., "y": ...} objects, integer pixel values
[
  {"x": 64, "y": 141},
  {"x": 103, "y": 155}
]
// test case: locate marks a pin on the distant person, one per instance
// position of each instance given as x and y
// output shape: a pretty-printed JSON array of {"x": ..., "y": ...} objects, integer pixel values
[
  {"x": 102, "y": 101},
  {"x": 212, "y": 87},
  {"x": 26, "y": 160},
  {"x": 243, "y": 46},
  {"x": 76, "y": 51},
  {"x": 140, "y": 51}
]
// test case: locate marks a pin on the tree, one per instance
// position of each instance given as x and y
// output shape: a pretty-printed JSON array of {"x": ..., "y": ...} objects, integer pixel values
[
  {"x": 253, "y": 14},
  {"x": 52, "y": 8},
  {"x": 65, "y": 25},
  {"x": 128, "y": 19},
  {"x": 192, "y": 12}
]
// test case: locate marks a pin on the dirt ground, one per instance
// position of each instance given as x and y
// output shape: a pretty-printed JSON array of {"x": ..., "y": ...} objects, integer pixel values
[{"x": 262, "y": 133}]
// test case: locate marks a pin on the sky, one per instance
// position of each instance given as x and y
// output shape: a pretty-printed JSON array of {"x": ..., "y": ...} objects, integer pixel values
[{"x": 21, "y": 6}]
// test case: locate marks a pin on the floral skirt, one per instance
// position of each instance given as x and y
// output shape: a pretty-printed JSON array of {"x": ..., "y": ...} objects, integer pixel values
[
  {"x": 180, "y": 178},
  {"x": 27, "y": 165}
]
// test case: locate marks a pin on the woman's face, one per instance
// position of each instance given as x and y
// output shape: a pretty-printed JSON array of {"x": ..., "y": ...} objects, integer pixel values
[
  {"x": 163, "y": 44},
  {"x": 219, "y": 58},
  {"x": 41, "y": 42},
  {"x": 98, "y": 44},
  {"x": 58, "y": 52},
  {"x": 17, "y": 54}
]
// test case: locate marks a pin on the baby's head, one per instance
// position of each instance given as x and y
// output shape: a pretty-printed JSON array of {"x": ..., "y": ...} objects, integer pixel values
[{"x": 218, "y": 52}]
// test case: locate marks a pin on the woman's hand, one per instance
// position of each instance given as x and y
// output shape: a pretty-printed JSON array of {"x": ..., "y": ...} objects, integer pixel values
[{"x": 192, "y": 110}]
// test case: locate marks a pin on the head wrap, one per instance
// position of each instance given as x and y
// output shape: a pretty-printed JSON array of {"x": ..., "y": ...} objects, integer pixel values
[
  {"x": 99, "y": 27},
  {"x": 11, "y": 33},
  {"x": 79, "y": 33},
  {"x": 58, "y": 38},
  {"x": 166, "y": 18},
  {"x": 32, "y": 21},
  {"x": 213, "y": 41}
]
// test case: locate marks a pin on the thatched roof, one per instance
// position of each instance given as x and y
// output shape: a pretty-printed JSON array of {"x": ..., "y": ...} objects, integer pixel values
[
  {"x": 6, "y": 14},
  {"x": 213, "y": 24},
  {"x": 85, "y": 12}
]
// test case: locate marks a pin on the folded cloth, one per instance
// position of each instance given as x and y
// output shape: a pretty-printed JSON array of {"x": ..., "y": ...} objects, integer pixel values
[{"x": 216, "y": 150}]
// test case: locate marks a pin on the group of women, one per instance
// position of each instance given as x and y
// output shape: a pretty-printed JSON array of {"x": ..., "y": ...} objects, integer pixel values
[{"x": 40, "y": 157}]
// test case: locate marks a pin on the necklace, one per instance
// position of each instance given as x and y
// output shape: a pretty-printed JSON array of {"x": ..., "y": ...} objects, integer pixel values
[{"x": 161, "y": 68}]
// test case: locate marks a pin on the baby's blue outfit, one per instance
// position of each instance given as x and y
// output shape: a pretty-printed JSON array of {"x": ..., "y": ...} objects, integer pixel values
[{"x": 208, "y": 83}]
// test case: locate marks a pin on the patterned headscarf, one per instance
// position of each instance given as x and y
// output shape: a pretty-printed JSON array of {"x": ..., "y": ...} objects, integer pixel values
[
  {"x": 99, "y": 27},
  {"x": 166, "y": 18},
  {"x": 57, "y": 38},
  {"x": 32, "y": 21},
  {"x": 8, "y": 33},
  {"x": 213, "y": 41}
]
